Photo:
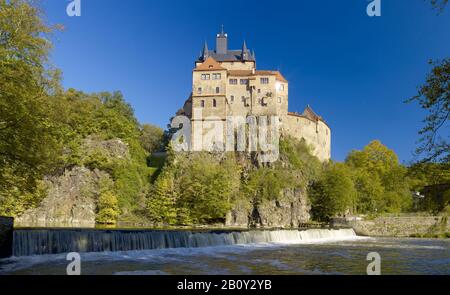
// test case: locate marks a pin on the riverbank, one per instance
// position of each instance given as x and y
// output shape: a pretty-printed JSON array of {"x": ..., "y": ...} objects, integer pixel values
[{"x": 399, "y": 226}]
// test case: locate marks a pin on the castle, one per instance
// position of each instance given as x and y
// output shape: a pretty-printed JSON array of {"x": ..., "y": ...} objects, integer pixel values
[{"x": 227, "y": 83}]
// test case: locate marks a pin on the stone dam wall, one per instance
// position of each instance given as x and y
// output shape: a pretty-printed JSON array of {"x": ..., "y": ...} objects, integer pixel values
[{"x": 402, "y": 226}]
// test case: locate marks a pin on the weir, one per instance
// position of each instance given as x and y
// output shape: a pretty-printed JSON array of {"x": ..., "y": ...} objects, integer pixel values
[{"x": 28, "y": 242}]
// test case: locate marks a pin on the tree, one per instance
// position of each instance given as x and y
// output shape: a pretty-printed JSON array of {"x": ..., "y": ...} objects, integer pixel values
[
  {"x": 381, "y": 181},
  {"x": 161, "y": 204},
  {"x": 434, "y": 97},
  {"x": 30, "y": 137},
  {"x": 107, "y": 208},
  {"x": 152, "y": 138},
  {"x": 334, "y": 193},
  {"x": 369, "y": 191},
  {"x": 439, "y": 4},
  {"x": 207, "y": 187}
]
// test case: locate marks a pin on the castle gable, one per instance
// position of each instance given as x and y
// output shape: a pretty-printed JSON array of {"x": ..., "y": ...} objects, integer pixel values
[{"x": 210, "y": 64}]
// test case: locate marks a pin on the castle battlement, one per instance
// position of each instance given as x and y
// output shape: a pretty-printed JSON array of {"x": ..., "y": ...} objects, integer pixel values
[{"x": 226, "y": 83}]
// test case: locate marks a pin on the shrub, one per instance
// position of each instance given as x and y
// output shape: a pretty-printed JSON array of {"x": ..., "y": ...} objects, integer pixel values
[{"x": 107, "y": 208}]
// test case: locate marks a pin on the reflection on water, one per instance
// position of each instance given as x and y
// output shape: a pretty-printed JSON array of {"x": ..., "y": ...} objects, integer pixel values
[{"x": 399, "y": 256}]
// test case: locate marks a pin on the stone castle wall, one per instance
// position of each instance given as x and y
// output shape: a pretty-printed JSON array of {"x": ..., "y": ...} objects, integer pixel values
[{"x": 316, "y": 134}]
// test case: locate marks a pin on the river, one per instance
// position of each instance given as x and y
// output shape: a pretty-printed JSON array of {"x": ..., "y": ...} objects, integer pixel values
[{"x": 312, "y": 252}]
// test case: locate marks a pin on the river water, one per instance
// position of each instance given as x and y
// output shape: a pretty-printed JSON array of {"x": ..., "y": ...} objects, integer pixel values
[{"x": 228, "y": 253}]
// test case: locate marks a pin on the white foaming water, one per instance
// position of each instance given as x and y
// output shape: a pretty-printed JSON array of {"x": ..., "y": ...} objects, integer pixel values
[{"x": 43, "y": 242}]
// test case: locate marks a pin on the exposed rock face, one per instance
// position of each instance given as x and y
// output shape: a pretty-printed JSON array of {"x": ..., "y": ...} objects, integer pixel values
[
  {"x": 113, "y": 148},
  {"x": 71, "y": 197},
  {"x": 70, "y": 201},
  {"x": 290, "y": 210}
]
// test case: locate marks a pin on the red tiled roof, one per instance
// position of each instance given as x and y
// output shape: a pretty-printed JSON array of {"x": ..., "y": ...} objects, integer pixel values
[
  {"x": 309, "y": 114},
  {"x": 210, "y": 64}
]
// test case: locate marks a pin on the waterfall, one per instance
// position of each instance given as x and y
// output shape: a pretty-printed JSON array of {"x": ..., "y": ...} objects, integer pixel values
[{"x": 29, "y": 242}]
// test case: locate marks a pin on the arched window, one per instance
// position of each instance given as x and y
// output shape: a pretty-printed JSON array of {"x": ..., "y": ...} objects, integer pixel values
[{"x": 214, "y": 103}]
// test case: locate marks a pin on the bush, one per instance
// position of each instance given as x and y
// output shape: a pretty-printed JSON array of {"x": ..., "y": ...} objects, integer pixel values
[{"x": 107, "y": 208}]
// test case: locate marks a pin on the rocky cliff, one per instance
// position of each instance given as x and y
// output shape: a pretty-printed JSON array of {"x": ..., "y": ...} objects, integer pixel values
[
  {"x": 290, "y": 210},
  {"x": 71, "y": 199}
]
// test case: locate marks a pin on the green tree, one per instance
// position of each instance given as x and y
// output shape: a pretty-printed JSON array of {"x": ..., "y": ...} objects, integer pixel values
[
  {"x": 439, "y": 4},
  {"x": 369, "y": 191},
  {"x": 26, "y": 117},
  {"x": 267, "y": 184},
  {"x": 107, "y": 208},
  {"x": 161, "y": 204},
  {"x": 207, "y": 187},
  {"x": 334, "y": 193},
  {"x": 381, "y": 181},
  {"x": 152, "y": 138},
  {"x": 434, "y": 97}
]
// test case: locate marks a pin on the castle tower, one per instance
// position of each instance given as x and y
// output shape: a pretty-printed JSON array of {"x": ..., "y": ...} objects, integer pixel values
[{"x": 222, "y": 42}]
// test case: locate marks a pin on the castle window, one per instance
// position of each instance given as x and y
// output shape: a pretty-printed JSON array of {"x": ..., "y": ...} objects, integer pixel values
[
  {"x": 280, "y": 99},
  {"x": 202, "y": 103},
  {"x": 259, "y": 90},
  {"x": 217, "y": 76},
  {"x": 233, "y": 81},
  {"x": 199, "y": 90},
  {"x": 282, "y": 87},
  {"x": 232, "y": 98},
  {"x": 244, "y": 100},
  {"x": 244, "y": 81},
  {"x": 264, "y": 80},
  {"x": 205, "y": 76},
  {"x": 217, "y": 89},
  {"x": 214, "y": 103}
]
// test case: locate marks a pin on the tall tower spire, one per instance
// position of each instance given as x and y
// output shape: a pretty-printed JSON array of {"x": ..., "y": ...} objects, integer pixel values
[
  {"x": 205, "y": 52},
  {"x": 245, "y": 52}
]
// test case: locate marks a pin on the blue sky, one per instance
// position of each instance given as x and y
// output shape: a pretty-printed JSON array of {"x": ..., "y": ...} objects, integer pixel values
[{"x": 354, "y": 70}]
